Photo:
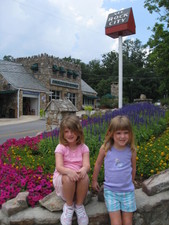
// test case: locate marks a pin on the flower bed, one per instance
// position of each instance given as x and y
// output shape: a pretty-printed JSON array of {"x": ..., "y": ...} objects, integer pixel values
[{"x": 28, "y": 163}]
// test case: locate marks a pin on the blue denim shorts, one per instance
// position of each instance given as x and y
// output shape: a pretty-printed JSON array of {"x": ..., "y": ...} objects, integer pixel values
[{"x": 124, "y": 201}]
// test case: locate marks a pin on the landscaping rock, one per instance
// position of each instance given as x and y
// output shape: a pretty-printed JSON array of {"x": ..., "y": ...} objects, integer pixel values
[
  {"x": 156, "y": 183},
  {"x": 54, "y": 203},
  {"x": 16, "y": 204}
]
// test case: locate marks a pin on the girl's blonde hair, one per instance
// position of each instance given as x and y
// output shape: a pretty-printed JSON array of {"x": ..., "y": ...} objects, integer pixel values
[
  {"x": 73, "y": 123},
  {"x": 119, "y": 123}
]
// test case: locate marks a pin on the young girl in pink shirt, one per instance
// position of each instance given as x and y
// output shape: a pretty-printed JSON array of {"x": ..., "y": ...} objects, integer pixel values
[{"x": 70, "y": 178}]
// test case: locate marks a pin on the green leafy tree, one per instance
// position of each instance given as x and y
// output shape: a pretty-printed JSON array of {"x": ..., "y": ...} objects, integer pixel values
[
  {"x": 70, "y": 59},
  {"x": 8, "y": 58},
  {"x": 158, "y": 42},
  {"x": 138, "y": 76}
]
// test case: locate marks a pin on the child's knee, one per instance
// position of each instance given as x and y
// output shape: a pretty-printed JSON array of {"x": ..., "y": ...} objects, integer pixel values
[
  {"x": 84, "y": 181},
  {"x": 66, "y": 180}
]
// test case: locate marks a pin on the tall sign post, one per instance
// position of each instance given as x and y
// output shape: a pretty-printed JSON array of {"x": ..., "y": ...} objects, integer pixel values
[{"x": 120, "y": 24}]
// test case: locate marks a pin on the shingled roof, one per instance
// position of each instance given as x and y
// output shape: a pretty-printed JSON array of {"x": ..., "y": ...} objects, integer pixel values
[
  {"x": 86, "y": 88},
  {"x": 16, "y": 75},
  {"x": 61, "y": 105}
]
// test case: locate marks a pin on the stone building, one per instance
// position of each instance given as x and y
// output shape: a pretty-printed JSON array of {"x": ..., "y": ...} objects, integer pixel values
[
  {"x": 20, "y": 92},
  {"x": 29, "y": 84},
  {"x": 89, "y": 95},
  {"x": 56, "y": 110},
  {"x": 114, "y": 89}
]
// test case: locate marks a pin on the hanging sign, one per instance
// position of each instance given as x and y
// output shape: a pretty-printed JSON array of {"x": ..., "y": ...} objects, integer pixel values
[{"x": 120, "y": 23}]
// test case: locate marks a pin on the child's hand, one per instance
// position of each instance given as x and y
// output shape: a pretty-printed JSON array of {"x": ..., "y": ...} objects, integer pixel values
[
  {"x": 82, "y": 172},
  {"x": 73, "y": 175},
  {"x": 95, "y": 186}
]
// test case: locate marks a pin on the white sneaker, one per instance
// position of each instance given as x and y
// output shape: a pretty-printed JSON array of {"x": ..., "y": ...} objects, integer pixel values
[
  {"x": 67, "y": 215},
  {"x": 82, "y": 217}
]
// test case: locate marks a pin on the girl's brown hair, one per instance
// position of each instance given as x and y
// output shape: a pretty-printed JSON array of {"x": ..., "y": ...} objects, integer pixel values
[
  {"x": 119, "y": 123},
  {"x": 73, "y": 123}
]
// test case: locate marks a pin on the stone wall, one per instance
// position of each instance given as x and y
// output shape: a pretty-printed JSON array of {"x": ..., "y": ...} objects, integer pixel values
[
  {"x": 151, "y": 210},
  {"x": 45, "y": 73},
  {"x": 152, "y": 207}
]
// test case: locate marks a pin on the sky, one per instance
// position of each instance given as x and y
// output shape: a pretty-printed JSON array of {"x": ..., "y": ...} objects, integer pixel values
[{"x": 64, "y": 28}]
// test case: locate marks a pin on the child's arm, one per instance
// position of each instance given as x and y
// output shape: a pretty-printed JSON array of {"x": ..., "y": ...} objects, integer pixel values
[
  {"x": 133, "y": 164},
  {"x": 86, "y": 165},
  {"x": 73, "y": 175},
  {"x": 97, "y": 167}
]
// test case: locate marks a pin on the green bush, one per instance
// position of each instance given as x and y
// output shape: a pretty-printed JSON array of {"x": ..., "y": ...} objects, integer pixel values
[{"x": 42, "y": 113}]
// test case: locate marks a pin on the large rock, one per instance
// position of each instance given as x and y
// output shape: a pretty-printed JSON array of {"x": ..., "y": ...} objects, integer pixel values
[
  {"x": 54, "y": 203},
  {"x": 16, "y": 204},
  {"x": 156, "y": 183},
  {"x": 151, "y": 210}
]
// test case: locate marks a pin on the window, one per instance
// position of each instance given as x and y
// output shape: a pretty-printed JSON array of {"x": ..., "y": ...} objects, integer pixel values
[
  {"x": 55, "y": 95},
  {"x": 72, "y": 97},
  {"x": 87, "y": 101}
]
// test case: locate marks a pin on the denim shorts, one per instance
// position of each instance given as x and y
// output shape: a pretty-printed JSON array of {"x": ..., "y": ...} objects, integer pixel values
[{"x": 124, "y": 201}]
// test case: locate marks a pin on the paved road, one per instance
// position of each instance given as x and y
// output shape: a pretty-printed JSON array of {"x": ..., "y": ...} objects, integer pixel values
[{"x": 21, "y": 130}]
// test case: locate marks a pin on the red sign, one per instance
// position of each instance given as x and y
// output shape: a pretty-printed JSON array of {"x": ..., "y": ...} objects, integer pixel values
[{"x": 120, "y": 23}]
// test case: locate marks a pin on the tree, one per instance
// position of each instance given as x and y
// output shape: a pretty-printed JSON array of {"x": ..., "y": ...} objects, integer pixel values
[
  {"x": 136, "y": 72},
  {"x": 8, "y": 58},
  {"x": 158, "y": 42},
  {"x": 70, "y": 59},
  {"x": 159, "y": 6}
]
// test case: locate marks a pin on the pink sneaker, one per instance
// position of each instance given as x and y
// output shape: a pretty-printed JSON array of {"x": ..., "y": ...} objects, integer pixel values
[
  {"x": 67, "y": 215},
  {"x": 82, "y": 217}
]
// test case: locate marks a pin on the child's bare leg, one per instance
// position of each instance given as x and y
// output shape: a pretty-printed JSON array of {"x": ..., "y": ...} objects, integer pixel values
[
  {"x": 115, "y": 218},
  {"x": 127, "y": 218},
  {"x": 68, "y": 189},
  {"x": 81, "y": 190}
]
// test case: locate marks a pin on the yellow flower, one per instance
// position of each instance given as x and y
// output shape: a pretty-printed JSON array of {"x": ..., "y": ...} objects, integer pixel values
[
  {"x": 162, "y": 153},
  {"x": 152, "y": 171},
  {"x": 137, "y": 158}
]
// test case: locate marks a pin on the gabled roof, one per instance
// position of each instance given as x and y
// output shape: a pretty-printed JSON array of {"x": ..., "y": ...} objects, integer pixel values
[
  {"x": 61, "y": 105},
  {"x": 16, "y": 75},
  {"x": 86, "y": 88}
]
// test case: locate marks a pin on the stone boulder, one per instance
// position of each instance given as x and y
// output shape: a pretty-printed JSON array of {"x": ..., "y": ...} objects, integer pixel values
[
  {"x": 54, "y": 203},
  {"x": 156, "y": 183},
  {"x": 15, "y": 205}
]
